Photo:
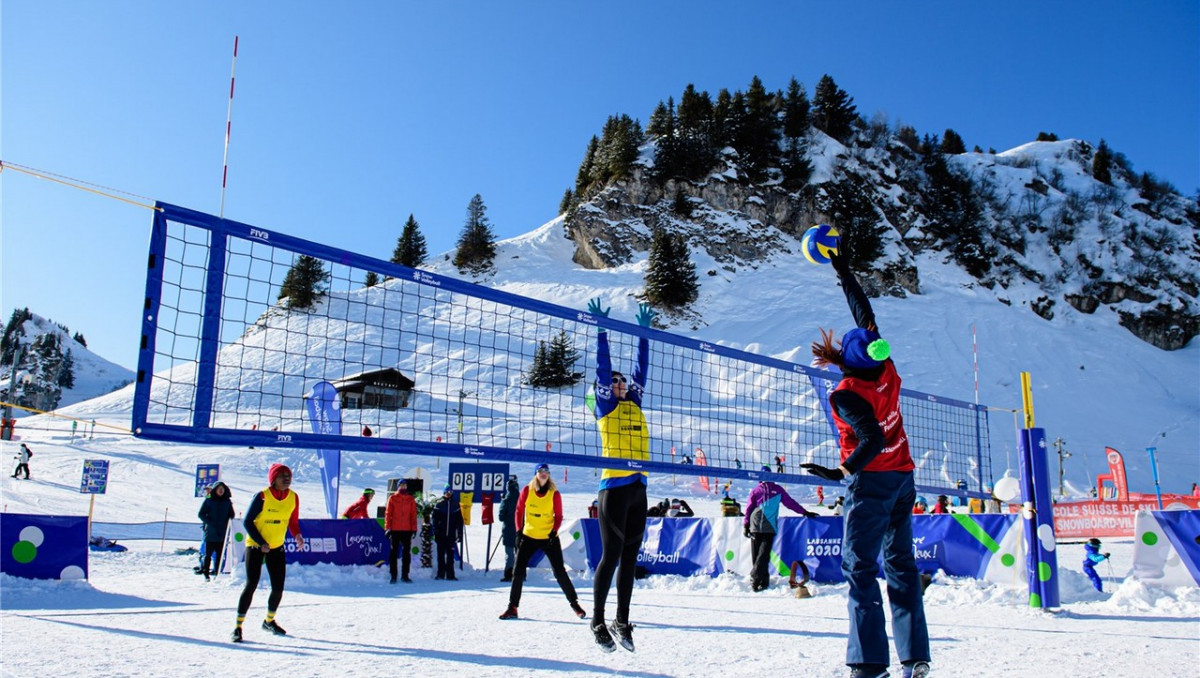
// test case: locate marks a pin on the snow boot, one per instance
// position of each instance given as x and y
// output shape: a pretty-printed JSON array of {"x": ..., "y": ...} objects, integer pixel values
[
  {"x": 236, "y": 636},
  {"x": 624, "y": 634},
  {"x": 274, "y": 628},
  {"x": 510, "y": 613},
  {"x": 916, "y": 670},
  {"x": 578, "y": 610},
  {"x": 603, "y": 638},
  {"x": 507, "y": 575},
  {"x": 869, "y": 671}
]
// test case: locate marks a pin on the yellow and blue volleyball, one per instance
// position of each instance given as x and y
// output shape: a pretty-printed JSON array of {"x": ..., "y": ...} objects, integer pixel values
[{"x": 819, "y": 243}]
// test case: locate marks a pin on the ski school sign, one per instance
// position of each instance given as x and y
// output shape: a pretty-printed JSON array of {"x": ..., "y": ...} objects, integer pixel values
[{"x": 1087, "y": 519}]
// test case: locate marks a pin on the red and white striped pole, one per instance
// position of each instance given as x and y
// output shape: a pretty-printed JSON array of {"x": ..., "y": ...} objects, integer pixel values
[
  {"x": 228, "y": 127},
  {"x": 975, "y": 360}
]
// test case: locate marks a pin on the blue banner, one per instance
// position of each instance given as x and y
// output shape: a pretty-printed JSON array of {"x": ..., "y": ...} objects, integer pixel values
[
  {"x": 341, "y": 542},
  {"x": 43, "y": 547},
  {"x": 325, "y": 416},
  {"x": 960, "y": 545},
  {"x": 207, "y": 475},
  {"x": 95, "y": 476}
]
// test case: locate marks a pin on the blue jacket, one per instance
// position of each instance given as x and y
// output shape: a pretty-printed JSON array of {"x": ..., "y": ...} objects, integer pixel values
[{"x": 1091, "y": 556}]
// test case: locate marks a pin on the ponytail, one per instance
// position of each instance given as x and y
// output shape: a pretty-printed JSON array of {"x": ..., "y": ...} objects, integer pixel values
[{"x": 824, "y": 352}]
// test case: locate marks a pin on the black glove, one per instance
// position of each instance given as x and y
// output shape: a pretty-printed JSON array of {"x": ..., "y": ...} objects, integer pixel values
[
  {"x": 811, "y": 514},
  {"x": 553, "y": 534},
  {"x": 387, "y": 533},
  {"x": 823, "y": 471},
  {"x": 746, "y": 531},
  {"x": 1106, "y": 555},
  {"x": 840, "y": 263}
]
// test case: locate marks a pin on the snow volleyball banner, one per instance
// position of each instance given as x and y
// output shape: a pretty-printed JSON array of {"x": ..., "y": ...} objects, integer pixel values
[
  {"x": 1087, "y": 519},
  {"x": 1166, "y": 548},
  {"x": 340, "y": 542},
  {"x": 980, "y": 546},
  {"x": 43, "y": 547}
]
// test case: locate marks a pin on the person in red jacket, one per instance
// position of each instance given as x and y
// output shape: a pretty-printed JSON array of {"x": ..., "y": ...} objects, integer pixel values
[
  {"x": 877, "y": 463},
  {"x": 400, "y": 524},
  {"x": 942, "y": 505},
  {"x": 539, "y": 515},
  {"x": 359, "y": 508}
]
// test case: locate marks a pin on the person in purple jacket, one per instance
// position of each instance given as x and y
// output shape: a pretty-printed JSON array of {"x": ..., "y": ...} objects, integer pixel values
[{"x": 761, "y": 524}]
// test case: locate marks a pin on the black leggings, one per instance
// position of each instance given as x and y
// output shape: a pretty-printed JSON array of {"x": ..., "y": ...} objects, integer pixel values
[
  {"x": 276, "y": 570},
  {"x": 622, "y": 523},
  {"x": 553, "y": 550}
]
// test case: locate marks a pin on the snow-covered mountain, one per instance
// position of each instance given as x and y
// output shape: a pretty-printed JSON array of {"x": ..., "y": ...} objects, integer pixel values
[
  {"x": 1096, "y": 383},
  {"x": 46, "y": 377}
]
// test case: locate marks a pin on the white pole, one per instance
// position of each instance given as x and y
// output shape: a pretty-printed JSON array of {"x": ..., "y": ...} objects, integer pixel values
[
  {"x": 975, "y": 361},
  {"x": 228, "y": 127}
]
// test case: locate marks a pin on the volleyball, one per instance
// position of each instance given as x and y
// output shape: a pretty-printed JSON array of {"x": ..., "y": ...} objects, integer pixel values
[{"x": 819, "y": 243}]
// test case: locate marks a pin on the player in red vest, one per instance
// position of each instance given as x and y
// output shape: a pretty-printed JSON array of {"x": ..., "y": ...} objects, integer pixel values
[{"x": 879, "y": 496}]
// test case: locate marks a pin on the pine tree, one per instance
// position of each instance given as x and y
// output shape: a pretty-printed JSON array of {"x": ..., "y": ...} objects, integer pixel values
[
  {"x": 833, "y": 110},
  {"x": 795, "y": 110},
  {"x": 908, "y": 136},
  {"x": 410, "y": 247},
  {"x": 554, "y": 363},
  {"x": 371, "y": 279},
  {"x": 66, "y": 373},
  {"x": 80, "y": 340},
  {"x": 1102, "y": 164},
  {"x": 477, "y": 244},
  {"x": 670, "y": 273},
  {"x": 797, "y": 169},
  {"x": 952, "y": 144},
  {"x": 583, "y": 178},
  {"x": 304, "y": 283},
  {"x": 1046, "y": 136},
  {"x": 695, "y": 131},
  {"x": 13, "y": 332},
  {"x": 758, "y": 140},
  {"x": 567, "y": 203},
  {"x": 668, "y": 154}
]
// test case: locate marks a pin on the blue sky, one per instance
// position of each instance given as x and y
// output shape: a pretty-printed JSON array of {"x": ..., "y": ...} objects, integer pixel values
[{"x": 347, "y": 119}]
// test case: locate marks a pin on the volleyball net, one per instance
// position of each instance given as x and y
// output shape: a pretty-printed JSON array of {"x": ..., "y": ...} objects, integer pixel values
[{"x": 425, "y": 364}]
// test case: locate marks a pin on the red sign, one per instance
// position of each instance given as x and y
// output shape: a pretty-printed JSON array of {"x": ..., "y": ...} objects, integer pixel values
[{"x": 1116, "y": 468}]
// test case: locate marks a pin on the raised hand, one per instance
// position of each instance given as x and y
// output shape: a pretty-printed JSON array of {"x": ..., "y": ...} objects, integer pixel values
[
  {"x": 645, "y": 315},
  {"x": 595, "y": 309}
]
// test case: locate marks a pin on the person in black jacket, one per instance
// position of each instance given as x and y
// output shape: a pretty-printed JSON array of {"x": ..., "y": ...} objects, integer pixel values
[
  {"x": 215, "y": 514},
  {"x": 447, "y": 532},
  {"x": 508, "y": 533}
]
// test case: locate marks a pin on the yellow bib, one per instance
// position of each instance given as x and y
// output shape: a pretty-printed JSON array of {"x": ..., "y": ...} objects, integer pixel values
[
  {"x": 539, "y": 514},
  {"x": 272, "y": 522},
  {"x": 623, "y": 435}
]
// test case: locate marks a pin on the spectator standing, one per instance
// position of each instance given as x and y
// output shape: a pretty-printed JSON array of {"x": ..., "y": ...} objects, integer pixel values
[
  {"x": 273, "y": 513},
  {"x": 447, "y": 532},
  {"x": 508, "y": 522},
  {"x": 400, "y": 524},
  {"x": 539, "y": 514},
  {"x": 215, "y": 514}
]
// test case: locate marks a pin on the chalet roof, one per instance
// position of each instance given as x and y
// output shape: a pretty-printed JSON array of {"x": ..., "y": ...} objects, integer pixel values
[{"x": 387, "y": 377}]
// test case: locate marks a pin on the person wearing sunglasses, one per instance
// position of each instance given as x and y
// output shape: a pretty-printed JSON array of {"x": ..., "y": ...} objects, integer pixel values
[{"x": 622, "y": 498}]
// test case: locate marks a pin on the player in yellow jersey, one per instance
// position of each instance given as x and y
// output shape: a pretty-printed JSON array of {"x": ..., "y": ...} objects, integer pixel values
[
  {"x": 272, "y": 514},
  {"x": 622, "y": 498}
]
